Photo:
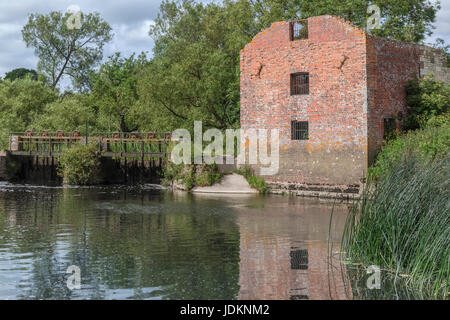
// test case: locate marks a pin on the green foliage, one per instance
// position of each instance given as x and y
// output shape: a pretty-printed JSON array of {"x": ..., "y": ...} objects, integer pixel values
[
  {"x": 402, "y": 224},
  {"x": 404, "y": 20},
  {"x": 207, "y": 175},
  {"x": 431, "y": 142},
  {"x": 190, "y": 176},
  {"x": 80, "y": 165},
  {"x": 195, "y": 72},
  {"x": 68, "y": 113},
  {"x": 254, "y": 181},
  {"x": 21, "y": 73},
  {"x": 426, "y": 98},
  {"x": 66, "y": 51},
  {"x": 22, "y": 101},
  {"x": 115, "y": 88}
]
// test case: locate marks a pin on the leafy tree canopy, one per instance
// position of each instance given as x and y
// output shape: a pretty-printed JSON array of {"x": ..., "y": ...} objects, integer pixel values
[
  {"x": 195, "y": 72},
  {"x": 115, "y": 88},
  {"x": 405, "y": 20},
  {"x": 64, "y": 48},
  {"x": 21, "y": 73}
]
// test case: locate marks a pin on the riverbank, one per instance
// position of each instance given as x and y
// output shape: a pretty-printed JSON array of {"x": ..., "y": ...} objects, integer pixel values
[{"x": 402, "y": 221}]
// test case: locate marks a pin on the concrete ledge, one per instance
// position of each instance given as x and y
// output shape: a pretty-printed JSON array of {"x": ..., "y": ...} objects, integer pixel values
[
  {"x": 229, "y": 184},
  {"x": 318, "y": 191}
]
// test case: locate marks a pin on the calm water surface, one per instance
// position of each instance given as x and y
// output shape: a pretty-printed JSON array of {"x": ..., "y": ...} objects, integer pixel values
[{"x": 142, "y": 243}]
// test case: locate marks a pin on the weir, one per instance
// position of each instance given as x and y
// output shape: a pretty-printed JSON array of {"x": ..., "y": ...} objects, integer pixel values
[{"x": 126, "y": 157}]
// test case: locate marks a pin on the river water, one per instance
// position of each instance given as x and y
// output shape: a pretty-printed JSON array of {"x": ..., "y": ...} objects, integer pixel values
[{"x": 145, "y": 243}]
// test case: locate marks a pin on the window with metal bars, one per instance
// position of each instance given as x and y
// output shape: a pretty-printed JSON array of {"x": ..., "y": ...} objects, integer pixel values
[
  {"x": 298, "y": 30},
  {"x": 299, "y": 83},
  {"x": 299, "y": 259},
  {"x": 299, "y": 130},
  {"x": 389, "y": 127}
]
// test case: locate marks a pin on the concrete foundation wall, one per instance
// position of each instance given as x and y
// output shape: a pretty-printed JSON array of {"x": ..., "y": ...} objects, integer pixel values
[
  {"x": 44, "y": 170},
  {"x": 3, "y": 170}
]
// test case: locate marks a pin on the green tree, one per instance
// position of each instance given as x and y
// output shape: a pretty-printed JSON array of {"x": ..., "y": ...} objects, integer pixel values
[
  {"x": 115, "y": 88},
  {"x": 68, "y": 113},
  {"x": 64, "y": 49},
  {"x": 22, "y": 102},
  {"x": 405, "y": 20},
  {"x": 195, "y": 71},
  {"x": 440, "y": 44},
  {"x": 21, "y": 73},
  {"x": 80, "y": 165}
]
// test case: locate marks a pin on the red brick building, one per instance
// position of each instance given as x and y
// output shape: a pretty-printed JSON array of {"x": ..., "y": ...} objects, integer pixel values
[{"x": 333, "y": 91}]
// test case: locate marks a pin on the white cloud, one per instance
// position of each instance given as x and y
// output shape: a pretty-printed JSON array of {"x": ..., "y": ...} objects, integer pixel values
[
  {"x": 442, "y": 23},
  {"x": 130, "y": 20}
]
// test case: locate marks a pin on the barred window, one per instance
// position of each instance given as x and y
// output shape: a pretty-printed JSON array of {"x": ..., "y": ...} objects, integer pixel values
[
  {"x": 299, "y": 83},
  {"x": 299, "y": 259},
  {"x": 298, "y": 30},
  {"x": 389, "y": 127},
  {"x": 299, "y": 130}
]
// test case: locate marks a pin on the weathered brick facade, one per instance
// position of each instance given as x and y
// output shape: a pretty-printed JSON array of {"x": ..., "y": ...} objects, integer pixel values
[{"x": 355, "y": 81}]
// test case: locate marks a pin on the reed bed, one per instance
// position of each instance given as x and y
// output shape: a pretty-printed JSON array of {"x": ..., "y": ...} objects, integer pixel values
[{"x": 402, "y": 224}]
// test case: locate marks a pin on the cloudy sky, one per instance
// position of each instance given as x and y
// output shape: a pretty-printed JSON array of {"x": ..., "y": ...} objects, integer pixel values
[{"x": 130, "y": 20}]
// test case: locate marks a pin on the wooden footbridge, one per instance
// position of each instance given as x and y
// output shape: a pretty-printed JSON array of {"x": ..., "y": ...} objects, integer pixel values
[
  {"x": 125, "y": 156},
  {"x": 121, "y": 145}
]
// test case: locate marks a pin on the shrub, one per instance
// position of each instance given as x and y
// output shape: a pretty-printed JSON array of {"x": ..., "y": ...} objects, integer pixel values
[
  {"x": 191, "y": 176},
  {"x": 431, "y": 142},
  {"x": 426, "y": 98},
  {"x": 207, "y": 175},
  {"x": 254, "y": 181},
  {"x": 80, "y": 165}
]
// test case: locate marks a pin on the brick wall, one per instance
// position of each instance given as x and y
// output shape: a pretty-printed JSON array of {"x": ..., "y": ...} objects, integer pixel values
[
  {"x": 356, "y": 80},
  {"x": 335, "y": 57},
  {"x": 390, "y": 65}
]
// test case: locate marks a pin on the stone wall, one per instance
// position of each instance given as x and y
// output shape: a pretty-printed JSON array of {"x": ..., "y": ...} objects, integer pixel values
[{"x": 434, "y": 61}]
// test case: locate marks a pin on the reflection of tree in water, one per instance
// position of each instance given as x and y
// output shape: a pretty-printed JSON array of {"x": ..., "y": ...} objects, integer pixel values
[{"x": 150, "y": 246}]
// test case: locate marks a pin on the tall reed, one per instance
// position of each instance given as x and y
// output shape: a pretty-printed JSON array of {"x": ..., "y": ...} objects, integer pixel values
[{"x": 402, "y": 224}]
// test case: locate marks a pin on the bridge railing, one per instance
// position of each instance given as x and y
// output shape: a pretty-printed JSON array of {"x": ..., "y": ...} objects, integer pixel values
[{"x": 138, "y": 145}]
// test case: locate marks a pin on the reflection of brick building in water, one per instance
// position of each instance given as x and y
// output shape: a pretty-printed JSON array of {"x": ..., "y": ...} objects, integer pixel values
[{"x": 278, "y": 267}]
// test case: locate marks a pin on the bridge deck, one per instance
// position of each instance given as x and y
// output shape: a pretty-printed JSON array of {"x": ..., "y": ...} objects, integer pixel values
[{"x": 115, "y": 145}]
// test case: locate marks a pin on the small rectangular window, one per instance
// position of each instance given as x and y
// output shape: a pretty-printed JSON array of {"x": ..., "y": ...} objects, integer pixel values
[
  {"x": 299, "y": 259},
  {"x": 298, "y": 30},
  {"x": 389, "y": 127},
  {"x": 299, "y": 83},
  {"x": 299, "y": 130}
]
